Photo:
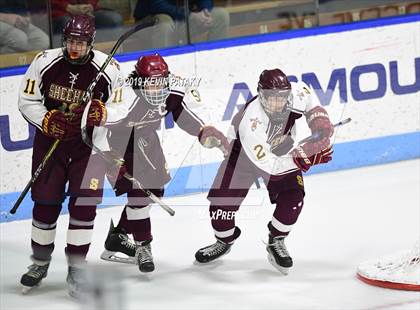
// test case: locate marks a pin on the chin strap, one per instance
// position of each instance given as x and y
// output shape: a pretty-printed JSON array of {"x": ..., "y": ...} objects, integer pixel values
[{"x": 79, "y": 61}]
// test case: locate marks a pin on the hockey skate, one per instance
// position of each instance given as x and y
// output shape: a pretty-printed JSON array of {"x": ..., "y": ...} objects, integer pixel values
[
  {"x": 144, "y": 256},
  {"x": 37, "y": 271},
  {"x": 216, "y": 250},
  {"x": 278, "y": 255},
  {"x": 117, "y": 242},
  {"x": 76, "y": 281}
]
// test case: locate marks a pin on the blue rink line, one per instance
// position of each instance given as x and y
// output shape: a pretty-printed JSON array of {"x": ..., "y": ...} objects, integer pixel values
[
  {"x": 196, "y": 179},
  {"x": 252, "y": 39}
]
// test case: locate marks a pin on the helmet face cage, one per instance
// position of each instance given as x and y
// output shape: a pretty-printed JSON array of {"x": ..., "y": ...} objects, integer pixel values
[
  {"x": 69, "y": 57},
  {"x": 155, "y": 89},
  {"x": 275, "y": 102}
]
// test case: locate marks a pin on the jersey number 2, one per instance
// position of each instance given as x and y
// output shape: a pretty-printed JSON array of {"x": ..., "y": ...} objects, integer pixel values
[
  {"x": 259, "y": 149},
  {"x": 30, "y": 87}
]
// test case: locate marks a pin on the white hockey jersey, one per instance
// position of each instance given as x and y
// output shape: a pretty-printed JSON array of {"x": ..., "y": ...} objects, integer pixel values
[{"x": 259, "y": 136}]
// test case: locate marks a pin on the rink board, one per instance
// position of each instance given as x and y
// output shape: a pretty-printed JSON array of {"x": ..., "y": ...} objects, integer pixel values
[{"x": 369, "y": 71}]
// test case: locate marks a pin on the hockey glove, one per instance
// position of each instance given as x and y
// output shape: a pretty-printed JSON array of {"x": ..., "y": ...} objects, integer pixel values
[
  {"x": 56, "y": 125},
  {"x": 305, "y": 158},
  {"x": 319, "y": 123},
  {"x": 97, "y": 113},
  {"x": 210, "y": 137}
]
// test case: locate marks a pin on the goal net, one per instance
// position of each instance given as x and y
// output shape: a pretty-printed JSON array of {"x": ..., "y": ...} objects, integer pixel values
[{"x": 398, "y": 271}]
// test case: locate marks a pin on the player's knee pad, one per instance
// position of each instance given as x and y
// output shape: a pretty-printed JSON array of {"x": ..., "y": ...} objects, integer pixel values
[
  {"x": 289, "y": 204},
  {"x": 46, "y": 213},
  {"x": 84, "y": 213},
  {"x": 87, "y": 197}
]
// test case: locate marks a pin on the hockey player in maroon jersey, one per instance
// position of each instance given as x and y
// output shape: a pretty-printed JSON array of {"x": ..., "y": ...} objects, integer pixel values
[
  {"x": 262, "y": 145},
  {"x": 144, "y": 158},
  {"x": 49, "y": 98}
]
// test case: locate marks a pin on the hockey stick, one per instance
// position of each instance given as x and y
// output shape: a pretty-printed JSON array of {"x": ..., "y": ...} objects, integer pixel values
[
  {"x": 316, "y": 136},
  {"x": 119, "y": 163},
  {"x": 35, "y": 176},
  {"x": 85, "y": 99}
]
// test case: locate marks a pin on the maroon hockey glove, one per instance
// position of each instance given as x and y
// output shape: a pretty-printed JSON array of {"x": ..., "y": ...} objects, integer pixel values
[
  {"x": 97, "y": 113},
  {"x": 56, "y": 125},
  {"x": 319, "y": 123},
  {"x": 210, "y": 137},
  {"x": 304, "y": 160}
]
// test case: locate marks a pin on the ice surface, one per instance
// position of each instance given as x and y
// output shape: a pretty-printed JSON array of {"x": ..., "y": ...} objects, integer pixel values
[{"x": 348, "y": 217}]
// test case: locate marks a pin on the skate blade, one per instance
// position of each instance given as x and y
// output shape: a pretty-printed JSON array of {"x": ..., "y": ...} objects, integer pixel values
[
  {"x": 27, "y": 289},
  {"x": 284, "y": 270},
  {"x": 111, "y": 257},
  {"x": 198, "y": 263}
]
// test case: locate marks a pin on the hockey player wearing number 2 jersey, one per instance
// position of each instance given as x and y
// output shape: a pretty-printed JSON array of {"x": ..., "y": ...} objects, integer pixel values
[
  {"x": 136, "y": 138},
  {"x": 50, "y": 98},
  {"x": 262, "y": 145}
]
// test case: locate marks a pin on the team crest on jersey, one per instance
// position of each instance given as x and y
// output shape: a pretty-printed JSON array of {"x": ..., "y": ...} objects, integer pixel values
[
  {"x": 274, "y": 131},
  {"x": 254, "y": 123},
  {"x": 73, "y": 78},
  {"x": 302, "y": 93},
  {"x": 150, "y": 114}
]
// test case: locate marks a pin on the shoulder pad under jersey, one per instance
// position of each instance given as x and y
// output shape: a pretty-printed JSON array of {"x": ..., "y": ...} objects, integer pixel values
[
  {"x": 301, "y": 96},
  {"x": 112, "y": 70},
  {"x": 47, "y": 57}
]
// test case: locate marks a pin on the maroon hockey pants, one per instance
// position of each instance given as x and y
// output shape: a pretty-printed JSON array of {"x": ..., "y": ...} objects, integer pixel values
[
  {"x": 71, "y": 162},
  {"x": 231, "y": 185}
]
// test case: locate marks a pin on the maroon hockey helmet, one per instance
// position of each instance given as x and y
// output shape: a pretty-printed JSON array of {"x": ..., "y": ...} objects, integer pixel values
[
  {"x": 154, "y": 74},
  {"x": 79, "y": 28},
  {"x": 152, "y": 66},
  {"x": 274, "y": 91}
]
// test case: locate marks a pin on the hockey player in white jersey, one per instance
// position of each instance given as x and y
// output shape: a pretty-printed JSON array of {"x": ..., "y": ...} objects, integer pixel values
[
  {"x": 50, "y": 98},
  {"x": 262, "y": 145}
]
